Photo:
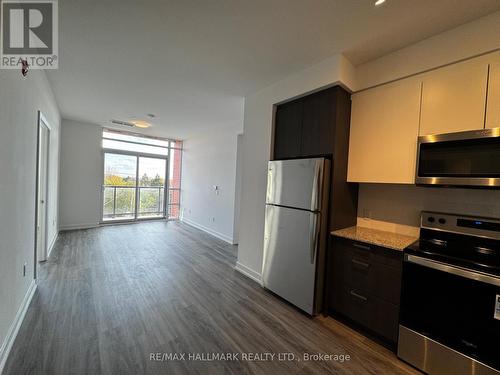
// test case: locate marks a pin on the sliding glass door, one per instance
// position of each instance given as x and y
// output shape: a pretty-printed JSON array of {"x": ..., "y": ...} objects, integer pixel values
[
  {"x": 151, "y": 189},
  {"x": 134, "y": 187},
  {"x": 142, "y": 177},
  {"x": 119, "y": 189}
]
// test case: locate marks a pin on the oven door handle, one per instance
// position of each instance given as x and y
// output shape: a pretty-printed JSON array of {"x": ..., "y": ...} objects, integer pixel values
[{"x": 478, "y": 276}]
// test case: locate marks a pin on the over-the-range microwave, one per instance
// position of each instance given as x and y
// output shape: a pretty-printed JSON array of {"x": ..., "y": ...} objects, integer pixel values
[{"x": 470, "y": 158}]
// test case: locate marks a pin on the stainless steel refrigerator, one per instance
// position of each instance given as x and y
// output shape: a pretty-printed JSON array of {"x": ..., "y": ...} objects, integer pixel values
[{"x": 295, "y": 231}]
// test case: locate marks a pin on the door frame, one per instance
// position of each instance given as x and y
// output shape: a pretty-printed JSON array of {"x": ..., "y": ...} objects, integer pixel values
[
  {"x": 138, "y": 155},
  {"x": 41, "y": 122}
]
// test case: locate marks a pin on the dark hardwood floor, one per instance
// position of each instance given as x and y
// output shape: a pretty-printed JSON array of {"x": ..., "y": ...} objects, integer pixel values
[{"x": 111, "y": 296}]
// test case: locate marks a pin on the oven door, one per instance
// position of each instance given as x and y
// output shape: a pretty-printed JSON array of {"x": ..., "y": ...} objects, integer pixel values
[
  {"x": 463, "y": 159},
  {"x": 454, "y": 307}
]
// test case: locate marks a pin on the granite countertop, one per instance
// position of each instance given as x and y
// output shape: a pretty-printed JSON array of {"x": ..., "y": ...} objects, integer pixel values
[{"x": 390, "y": 240}]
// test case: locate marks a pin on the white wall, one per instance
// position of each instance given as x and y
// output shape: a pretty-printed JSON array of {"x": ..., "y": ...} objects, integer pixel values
[
  {"x": 207, "y": 161},
  {"x": 465, "y": 41},
  {"x": 20, "y": 100},
  {"x": 81, "y": 175}
]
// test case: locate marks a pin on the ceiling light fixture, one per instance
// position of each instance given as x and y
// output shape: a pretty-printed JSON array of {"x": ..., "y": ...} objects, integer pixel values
[
  {"x": 379, "y": 2},
  {"x": 141, "y": 124}
]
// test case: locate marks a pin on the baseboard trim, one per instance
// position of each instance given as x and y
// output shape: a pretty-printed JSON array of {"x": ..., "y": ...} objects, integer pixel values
[
  {"x": 16, "y": 324},
  {"x": 64, "y": 228},
  {"x": 214, "y": 233},
  {"x": 51, "y": 246},
  {"x": 248, "y": 272}
]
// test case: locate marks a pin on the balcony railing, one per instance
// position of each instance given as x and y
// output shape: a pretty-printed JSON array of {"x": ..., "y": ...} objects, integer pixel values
[{"x": 119, "y": 202}]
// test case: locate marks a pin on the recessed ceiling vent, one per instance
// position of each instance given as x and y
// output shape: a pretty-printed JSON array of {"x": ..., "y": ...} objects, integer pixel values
[{"x": 123, "y": 123}]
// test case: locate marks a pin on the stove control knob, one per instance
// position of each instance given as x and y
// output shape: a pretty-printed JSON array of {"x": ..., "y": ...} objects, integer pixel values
[
  {"x": 431, "y": 219},
  {"x": 442, "y": 221}
]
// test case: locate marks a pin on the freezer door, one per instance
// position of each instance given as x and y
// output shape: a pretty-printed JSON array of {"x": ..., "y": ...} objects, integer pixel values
[
  {"x": 290, "y": 255},
  {"x": 295, "y": 183}
]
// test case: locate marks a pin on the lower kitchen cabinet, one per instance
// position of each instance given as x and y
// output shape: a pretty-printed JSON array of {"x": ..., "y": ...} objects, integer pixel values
[{"x": 364, "y": 286}]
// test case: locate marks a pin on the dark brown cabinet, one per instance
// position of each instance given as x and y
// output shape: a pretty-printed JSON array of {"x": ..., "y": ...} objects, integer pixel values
[
  {"x": 318, "y": 123},
  {"x": 288, "y": 130},
  {"x": 364, "y": 286},
  {"x": 309, "y": 126}
]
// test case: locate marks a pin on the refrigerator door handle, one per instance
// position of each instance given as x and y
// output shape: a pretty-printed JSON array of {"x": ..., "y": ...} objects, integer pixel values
[
  {"x": 270, "y": 185},
  {"x": 314, "y": 235},
  {"x": 317, "y": 184}
]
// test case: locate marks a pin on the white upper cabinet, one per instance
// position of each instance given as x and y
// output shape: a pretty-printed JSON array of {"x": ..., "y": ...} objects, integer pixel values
[
  {"x": 383, "y": 135},
  {"x": 454, "y": 97},
  {"x": 493, "y": 106}
]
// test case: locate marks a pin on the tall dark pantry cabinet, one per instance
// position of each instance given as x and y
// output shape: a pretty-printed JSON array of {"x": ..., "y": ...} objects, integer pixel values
[
  {"x": 317, "y": 125},
  {"x": 312, "y": 126}
]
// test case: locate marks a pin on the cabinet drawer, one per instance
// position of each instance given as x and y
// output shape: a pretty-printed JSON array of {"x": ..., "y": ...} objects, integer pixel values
[
  {"x": 368, "y": 269},
  {"x": 367, "y": 310}
]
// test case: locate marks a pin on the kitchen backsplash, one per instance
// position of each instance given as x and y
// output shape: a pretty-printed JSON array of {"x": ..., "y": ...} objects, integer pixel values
[{"x": 396, "y": 208}]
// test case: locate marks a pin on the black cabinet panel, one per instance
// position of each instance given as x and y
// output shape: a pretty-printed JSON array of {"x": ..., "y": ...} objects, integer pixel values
[
  {"x": 288, "y": 130},
  {"x": 364, "y": 285},
  {"x": 371, "y": 270},
  {"x": 307, "y": 127},
  {"x": 317, "y": 124},
  {"x": 375, "y": 314}
]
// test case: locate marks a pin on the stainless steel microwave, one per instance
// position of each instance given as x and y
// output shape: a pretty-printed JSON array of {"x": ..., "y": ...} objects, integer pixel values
[{"x": 470, "y": 158}]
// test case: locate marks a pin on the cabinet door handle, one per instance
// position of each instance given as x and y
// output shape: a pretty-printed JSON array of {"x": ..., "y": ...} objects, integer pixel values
[
  {"x": 359, "y": 263},
  {"x": 358, "y": 296},
  {"x": 364, "y": 247}
]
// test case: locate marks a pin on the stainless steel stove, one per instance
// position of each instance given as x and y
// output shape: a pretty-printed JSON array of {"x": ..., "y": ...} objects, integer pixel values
[{"x": 450, "y": 303}]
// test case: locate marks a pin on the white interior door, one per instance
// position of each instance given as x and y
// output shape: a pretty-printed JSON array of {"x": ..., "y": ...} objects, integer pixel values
[{"x": 43, "y": 164}]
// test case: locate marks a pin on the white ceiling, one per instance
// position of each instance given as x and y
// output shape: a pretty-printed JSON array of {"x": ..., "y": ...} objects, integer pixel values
[{"x": 191, "y": 62}]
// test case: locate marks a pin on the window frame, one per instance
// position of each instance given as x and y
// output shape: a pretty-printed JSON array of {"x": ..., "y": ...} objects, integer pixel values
[{"x": 167, "y": 158}]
